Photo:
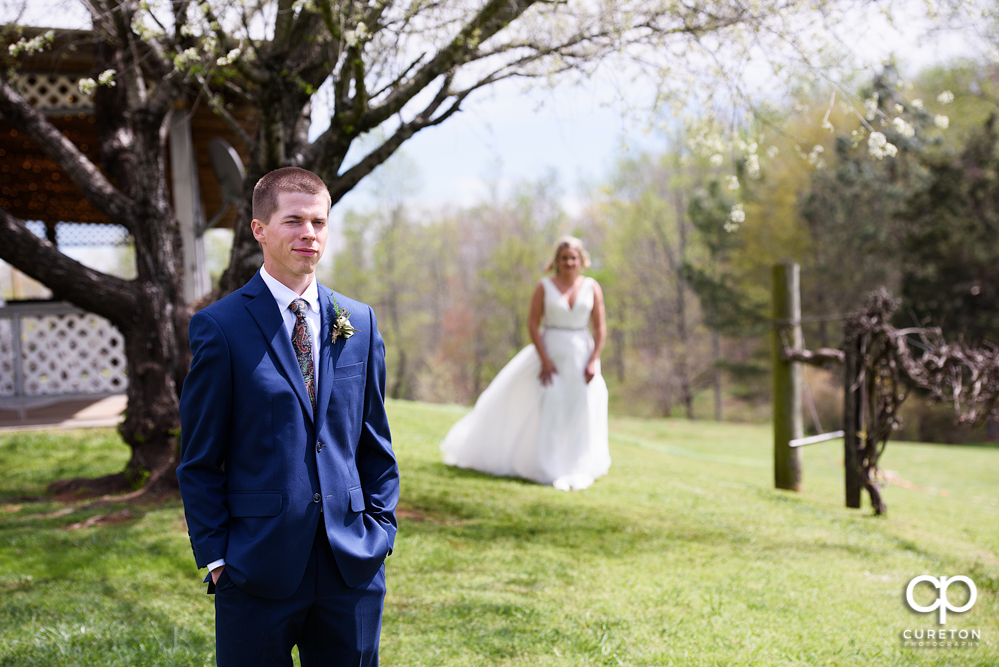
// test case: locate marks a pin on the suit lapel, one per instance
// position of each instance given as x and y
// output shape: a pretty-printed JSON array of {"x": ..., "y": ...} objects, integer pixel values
[
  {"x": 264, "y": 311},
  {"x": 329, "y": 353}
]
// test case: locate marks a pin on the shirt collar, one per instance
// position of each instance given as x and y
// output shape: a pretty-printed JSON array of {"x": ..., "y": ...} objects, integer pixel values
[{"x": 284, "y": 295}]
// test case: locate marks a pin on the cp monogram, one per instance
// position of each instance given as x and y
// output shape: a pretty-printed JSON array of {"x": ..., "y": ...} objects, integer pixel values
[{"x": 942, "y": 602}]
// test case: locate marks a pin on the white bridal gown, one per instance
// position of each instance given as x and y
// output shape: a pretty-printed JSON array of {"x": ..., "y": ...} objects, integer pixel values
[{"x": 555, "y": 434}]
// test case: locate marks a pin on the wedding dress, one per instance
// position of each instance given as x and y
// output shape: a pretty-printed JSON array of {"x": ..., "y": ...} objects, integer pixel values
[{"x": 554, "y": 434}]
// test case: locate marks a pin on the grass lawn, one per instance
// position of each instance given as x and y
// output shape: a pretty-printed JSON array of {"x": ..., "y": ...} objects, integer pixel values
[{"x": 683, "y": 555}]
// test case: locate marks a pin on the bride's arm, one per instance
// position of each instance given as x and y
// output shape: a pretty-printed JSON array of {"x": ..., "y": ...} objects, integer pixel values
[
  {"x": 598, "y": 322},
  {"x": 533, "y": 327}
]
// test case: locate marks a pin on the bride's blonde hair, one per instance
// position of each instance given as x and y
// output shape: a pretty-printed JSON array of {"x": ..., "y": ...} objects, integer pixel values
[{"x": 568, "y": 242}]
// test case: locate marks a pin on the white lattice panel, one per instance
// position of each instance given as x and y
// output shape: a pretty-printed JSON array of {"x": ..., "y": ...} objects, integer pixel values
[
  {"x": 6, "y": 358},
  {"x": 70, "y": 354},
  {"x": 52, "y": 92}
]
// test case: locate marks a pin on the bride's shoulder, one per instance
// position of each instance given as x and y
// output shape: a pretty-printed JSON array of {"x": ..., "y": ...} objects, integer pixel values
[{"x": 594, "y": 285}]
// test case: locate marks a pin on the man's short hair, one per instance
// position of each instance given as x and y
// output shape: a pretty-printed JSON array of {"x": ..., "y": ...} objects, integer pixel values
[{"x": 285, "y": 179}]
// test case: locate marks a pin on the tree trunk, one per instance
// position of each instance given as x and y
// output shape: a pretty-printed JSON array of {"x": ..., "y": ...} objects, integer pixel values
[
  {"x": 399, "y": 388},
  {"x": 681, "y": 309},
  {"x": 152, "y": 423},
  {"x": 716, "y": 358}
]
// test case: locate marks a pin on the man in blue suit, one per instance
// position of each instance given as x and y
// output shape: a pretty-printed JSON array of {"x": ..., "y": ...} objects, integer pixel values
[{"x": 287, "y": 471}]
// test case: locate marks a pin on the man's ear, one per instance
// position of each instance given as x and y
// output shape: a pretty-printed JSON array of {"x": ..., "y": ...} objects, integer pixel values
[{"x": 258, "y": 229}]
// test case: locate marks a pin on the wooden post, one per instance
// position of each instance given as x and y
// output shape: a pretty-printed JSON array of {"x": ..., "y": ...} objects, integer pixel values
[
  {"x": 787, "y": 376},
  {"x": 187, "y": 205},
  {"x": 852, "y": 410}
]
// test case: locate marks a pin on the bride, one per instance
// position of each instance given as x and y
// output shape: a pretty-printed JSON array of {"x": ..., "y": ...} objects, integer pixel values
[{"x": 544, "y": 416}]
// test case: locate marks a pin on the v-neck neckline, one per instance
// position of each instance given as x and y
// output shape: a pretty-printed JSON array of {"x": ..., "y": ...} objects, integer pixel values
[{"x": 570, "y": 304}]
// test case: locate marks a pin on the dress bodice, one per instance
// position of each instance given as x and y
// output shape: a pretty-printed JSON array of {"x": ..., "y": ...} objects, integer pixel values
[{"x": 558, "y": 314}]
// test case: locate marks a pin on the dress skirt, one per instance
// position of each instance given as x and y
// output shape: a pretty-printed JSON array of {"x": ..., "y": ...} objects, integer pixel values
[{"x": 555, "y": 434}]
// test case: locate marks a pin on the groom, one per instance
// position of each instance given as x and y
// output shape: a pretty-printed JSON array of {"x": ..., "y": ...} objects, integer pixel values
[{"x": 287, "y": 472}]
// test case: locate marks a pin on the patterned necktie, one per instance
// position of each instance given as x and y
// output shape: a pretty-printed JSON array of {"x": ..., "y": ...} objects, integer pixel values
[{"x": 302, "y": 342}]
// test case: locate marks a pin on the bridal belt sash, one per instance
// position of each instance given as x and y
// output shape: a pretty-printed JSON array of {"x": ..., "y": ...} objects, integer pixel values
[{"x": 566, "y": 328}]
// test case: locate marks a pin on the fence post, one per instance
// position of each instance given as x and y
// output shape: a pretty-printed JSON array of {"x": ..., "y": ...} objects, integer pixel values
[
  {"x": 787, "y": 376},
  {"x": 851, "y": 422}
]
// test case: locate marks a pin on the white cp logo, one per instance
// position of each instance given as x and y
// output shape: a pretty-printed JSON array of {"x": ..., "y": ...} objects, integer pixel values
[{"x": 942, "y": 602}]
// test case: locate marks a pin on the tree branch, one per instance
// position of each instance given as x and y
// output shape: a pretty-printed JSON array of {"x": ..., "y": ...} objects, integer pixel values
[
  {"x": 283, "y": 27},
  {"x": 342, "y": 184},
  {"x": 109, "y": 297},
  {"x": 492, "y": 18}
]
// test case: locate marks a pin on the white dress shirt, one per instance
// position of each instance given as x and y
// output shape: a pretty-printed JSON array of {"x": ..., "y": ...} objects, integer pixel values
[{"x": 284, "y": 295}]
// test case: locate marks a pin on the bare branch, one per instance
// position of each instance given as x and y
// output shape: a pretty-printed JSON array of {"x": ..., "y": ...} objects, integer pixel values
[
  {"x": 492, "y": 18},
  {"x": 282, "y": 27},
  {"x": 342, "y": 184},
  {"x": 91, "y": 290}
]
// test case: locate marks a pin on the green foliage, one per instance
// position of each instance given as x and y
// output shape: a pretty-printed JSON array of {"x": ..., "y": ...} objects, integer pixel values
[
  {"x": 728, "y": 307},
  {"x": 922, "y": 223},
  {"x": 452, "y": 290},
  {"x": 683, "y": 555},
  {"x": 950, "y": 271}
]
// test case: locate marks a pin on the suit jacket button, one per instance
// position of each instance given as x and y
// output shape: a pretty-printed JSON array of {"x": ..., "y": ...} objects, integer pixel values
[
  {"x": 319, "y": 447},
  {"x": 316, "y": 498}
]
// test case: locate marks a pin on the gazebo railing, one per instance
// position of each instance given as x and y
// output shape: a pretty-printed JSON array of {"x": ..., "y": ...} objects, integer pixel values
[{"x": 53, "y": 351}]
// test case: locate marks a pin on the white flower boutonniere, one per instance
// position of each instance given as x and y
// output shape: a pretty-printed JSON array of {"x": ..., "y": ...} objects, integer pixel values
[{"x": 341, "y": 323}]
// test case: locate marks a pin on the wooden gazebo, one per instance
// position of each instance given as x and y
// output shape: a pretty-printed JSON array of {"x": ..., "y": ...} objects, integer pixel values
[{"x": 32, "y": 187}]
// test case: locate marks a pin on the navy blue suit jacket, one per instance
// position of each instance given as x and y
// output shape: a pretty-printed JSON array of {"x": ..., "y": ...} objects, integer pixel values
[{"x": 257, "y": 464}]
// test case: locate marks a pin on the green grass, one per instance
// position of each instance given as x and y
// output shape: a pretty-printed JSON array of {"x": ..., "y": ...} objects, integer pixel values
[{"x": 683, "y": 555}]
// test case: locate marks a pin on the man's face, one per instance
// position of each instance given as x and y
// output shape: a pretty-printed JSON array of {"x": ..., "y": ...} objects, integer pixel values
[{"x": 294, "y": 238}]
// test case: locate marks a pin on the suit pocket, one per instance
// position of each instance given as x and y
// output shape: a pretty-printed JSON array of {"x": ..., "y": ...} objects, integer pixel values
[
  {"x": 254, "y": 504},
  {"x": 341, "y": 372},
  {"x": 356, "y": 496}
]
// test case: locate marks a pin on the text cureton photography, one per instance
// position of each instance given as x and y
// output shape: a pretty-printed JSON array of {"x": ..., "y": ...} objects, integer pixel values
[{"x": 940, "y": 637}]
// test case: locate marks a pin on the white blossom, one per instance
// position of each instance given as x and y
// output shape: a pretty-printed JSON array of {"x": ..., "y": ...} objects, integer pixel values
[
  {"x": 917, "y": 103},
  {"x": 773, "y": 152},
  {"x": 228, "y": 58},
  {"x": 185, "y": 59},
  {"x": 732, "y": 182},
  {"x": 736, "y": 217},
  {"x": 753, "y": 166},
  {"x": 946, "y": 97},
  {"x": 904, "y": 128},
  {"x": 879, "y": 147},
  {"x": 107, "y": 78},
  {"x": 34, "y": 45},
  {"x": 941, "y": 121},
  {"x": 827, "y": 126},
  {"x": 899, "y": 108},
  {"x": 86, "y": 86},
  {"x": 871, "y": 107},
  {"x": 358, "y": 34},
  {"x": 716, "y": 160},
  {"x": 814, "y": 157}
]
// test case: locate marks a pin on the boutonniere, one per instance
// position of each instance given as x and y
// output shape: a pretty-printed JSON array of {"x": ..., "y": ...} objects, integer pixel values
[{"x": 341, "y": 323}]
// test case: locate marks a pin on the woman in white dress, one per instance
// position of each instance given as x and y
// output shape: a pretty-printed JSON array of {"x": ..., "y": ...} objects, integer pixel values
[{"x": 544, "y": 416}]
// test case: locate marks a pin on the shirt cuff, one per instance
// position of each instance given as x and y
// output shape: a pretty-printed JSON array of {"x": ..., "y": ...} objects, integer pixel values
[{"x": 216, "y": 563}]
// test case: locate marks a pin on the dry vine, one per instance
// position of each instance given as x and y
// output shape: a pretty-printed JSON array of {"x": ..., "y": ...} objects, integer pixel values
[{"x": 888, "y": 370}]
